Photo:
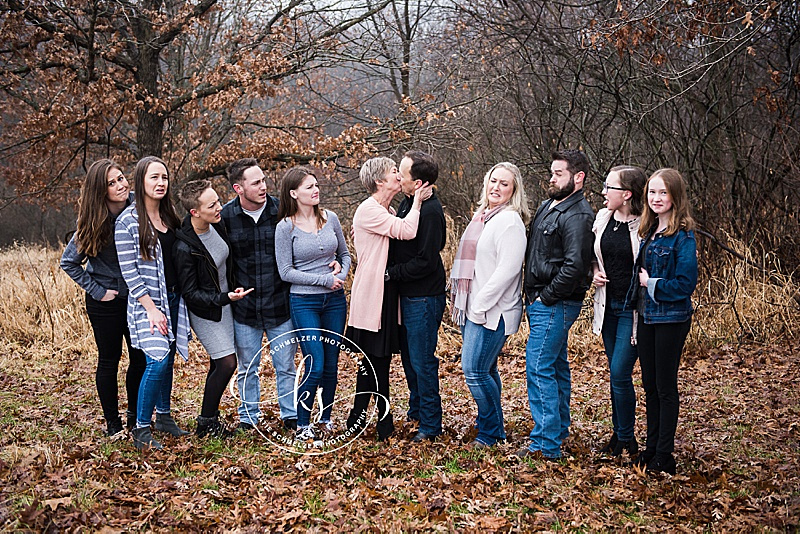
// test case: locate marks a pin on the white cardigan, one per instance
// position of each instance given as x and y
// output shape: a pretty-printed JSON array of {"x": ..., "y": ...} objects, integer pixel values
[
  {"x": 600, "y": 222},
  {"x": 496, "y": 289}
]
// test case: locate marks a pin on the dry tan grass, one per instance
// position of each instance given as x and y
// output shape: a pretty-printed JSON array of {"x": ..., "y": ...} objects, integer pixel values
[
  {"x": 39, "y": 303},
  {"x": 42, "y": 308},
  {"x": 737, "y": 301}
]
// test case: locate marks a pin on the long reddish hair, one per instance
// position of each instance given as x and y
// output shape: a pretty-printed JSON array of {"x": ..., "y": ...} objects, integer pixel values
[{"x": 681, "y": 214}]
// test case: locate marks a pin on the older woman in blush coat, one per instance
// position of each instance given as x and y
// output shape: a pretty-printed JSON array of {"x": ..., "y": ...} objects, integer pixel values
[{"x": 373, "y": 324}]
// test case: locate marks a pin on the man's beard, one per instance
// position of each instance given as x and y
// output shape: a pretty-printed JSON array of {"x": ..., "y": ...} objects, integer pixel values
[{"x": 560, "y": 193}]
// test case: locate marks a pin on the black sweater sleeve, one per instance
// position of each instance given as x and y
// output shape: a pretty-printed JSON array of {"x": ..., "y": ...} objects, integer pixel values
[{"x": 430, "y": 240}]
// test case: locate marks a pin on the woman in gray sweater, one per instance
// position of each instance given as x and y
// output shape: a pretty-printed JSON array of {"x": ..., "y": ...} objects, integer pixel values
[
  {"x": 105, "y": 193},
  {"x": 312, "y": 256}
]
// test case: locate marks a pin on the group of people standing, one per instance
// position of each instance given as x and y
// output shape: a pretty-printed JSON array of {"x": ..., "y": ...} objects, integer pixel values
[{"x": 261, "y": 265}]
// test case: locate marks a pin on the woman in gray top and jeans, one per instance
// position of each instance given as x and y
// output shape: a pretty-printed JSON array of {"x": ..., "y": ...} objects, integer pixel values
[{"x": 312, "y": 256}]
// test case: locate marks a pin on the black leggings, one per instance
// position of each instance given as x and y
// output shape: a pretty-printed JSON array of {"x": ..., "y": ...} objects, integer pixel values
[
  {"x": 366, "y": 381},
  {"x": 660, "y": 347},
  {"x": 110, "y": 325},
  {"x": 219, "y": 374}
]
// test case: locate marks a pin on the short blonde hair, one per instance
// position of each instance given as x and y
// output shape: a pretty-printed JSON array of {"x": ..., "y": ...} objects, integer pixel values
[
  {"x": 373, "y": 171},
  {"x": 518, "y": 201}
]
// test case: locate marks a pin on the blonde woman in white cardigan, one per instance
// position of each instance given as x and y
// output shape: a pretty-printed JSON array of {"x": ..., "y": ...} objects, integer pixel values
[
  {"x": 486, "y": 283},
  {"x": 616, "y": 246}
]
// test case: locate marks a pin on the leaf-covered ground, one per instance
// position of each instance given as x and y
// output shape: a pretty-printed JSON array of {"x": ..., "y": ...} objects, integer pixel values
[{"x": 738, "y": 448}]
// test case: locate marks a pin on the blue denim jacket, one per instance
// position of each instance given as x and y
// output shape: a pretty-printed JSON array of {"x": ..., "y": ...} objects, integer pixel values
[{"x": 671, "y": 262}]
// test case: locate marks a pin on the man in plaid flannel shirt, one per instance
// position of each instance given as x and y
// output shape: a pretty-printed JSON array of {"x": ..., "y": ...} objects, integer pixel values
[{"x": 250, "y": 220}]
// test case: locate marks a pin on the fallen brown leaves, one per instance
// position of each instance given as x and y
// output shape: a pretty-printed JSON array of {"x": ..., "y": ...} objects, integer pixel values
[
  {"x": 737, "y": 451},
  {"x": 738, "y": 446}
]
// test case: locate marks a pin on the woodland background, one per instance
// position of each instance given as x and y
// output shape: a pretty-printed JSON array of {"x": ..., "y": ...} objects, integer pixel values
[{"x": 710, "y": 88}]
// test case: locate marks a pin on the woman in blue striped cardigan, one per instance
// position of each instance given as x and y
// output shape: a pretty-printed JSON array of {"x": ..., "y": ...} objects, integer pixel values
[{"x": 157, "y": 318}]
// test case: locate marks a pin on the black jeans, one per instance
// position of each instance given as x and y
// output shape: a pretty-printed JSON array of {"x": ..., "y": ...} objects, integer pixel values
[
  {"x": 373, "y": 371},
  {"x": 110, "y": 326},
  {"x": 660, "y": 347}
]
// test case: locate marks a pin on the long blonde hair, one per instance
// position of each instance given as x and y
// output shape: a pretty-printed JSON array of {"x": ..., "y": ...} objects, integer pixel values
[
  {"x": 518, "y": 201},
  {"x": 681, "y": 215}
]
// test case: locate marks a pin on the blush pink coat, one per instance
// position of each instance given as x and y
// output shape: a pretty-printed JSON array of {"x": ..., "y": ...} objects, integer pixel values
[{"x": 373, "y": 226}]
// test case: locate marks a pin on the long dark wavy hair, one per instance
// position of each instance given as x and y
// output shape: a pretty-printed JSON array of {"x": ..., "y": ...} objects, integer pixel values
[
  {"x": 288, "y": 206},
  {"x": 94, "y": 231},
  {"x": 147, "y": 232}
]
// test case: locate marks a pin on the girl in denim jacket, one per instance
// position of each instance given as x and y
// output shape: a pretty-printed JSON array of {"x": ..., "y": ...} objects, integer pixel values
[{"x": 663, "y": 282}]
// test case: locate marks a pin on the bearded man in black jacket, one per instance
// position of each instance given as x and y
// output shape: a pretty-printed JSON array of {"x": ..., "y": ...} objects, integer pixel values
[{"x": 557, "y": 276}]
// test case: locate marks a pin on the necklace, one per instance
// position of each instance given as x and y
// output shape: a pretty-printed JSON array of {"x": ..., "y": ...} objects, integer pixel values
[{"x": 617, "y": 224}]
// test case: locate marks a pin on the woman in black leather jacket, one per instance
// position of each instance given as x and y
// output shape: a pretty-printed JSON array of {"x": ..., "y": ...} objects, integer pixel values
[{"x": 205, "y": 270}]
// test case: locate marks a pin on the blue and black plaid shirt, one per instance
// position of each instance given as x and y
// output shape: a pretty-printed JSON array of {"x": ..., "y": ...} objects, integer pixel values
[{"x": 253, "y": 248}]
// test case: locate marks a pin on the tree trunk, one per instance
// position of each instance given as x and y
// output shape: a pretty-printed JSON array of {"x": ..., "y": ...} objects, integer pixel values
[{"x": 150, "y": 130}]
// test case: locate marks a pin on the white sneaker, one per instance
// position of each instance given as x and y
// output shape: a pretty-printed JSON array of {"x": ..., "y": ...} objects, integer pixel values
[
  {"x": 305, "y": 433},
  {"x": 327, "y": 426}
]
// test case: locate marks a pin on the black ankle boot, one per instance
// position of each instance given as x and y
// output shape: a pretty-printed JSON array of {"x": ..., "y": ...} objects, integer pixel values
[
  {"x": 385, "y": 428},
  {"x": 662, "y": 463},
  {"x": 130, "y": 420},
  {"x": 631, "y": 446},
  {"x": 210, "y": 426},
  {"x": 143, "y": 439},
  {"x": 113, "y": 427},
  {"x": 165, "y": 423},
  {"x": 612, "y": 443},
  {"x": 644, "y": 458},
  {"x": 356, "y": 420}
]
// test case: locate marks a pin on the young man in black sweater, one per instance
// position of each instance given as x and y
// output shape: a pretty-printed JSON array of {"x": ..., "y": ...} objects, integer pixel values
[{"x": 416, "y": 266}]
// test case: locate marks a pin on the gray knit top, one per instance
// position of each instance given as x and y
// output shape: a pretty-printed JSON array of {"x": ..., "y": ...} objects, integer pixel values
[{"x": 303, "y": 257}]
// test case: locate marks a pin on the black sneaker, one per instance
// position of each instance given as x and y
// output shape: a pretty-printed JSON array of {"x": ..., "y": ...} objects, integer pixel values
[
  {"x": 290, "y": 423},
  {"x": 245, "y": 428}
]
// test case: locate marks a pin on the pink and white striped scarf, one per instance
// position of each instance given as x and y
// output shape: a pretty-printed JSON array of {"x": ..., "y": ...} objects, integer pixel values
[{"x": 463, "y": 270}]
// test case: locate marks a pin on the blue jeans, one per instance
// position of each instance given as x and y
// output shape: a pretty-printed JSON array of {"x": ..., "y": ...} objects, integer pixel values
[
  {"x": 419, "y": 335},
  {"x": 479, "y": 352},
  {"x": 248, "y": 352},
  {"x": 547, "y": 370},
  {"x": 321, "y": 318},
  {"x": 156, "y": 385},
  {"x": 617, "y": 332}
]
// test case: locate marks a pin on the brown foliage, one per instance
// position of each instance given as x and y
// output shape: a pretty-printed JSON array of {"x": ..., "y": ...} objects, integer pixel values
[
  {"x": 738, "y": 461},
  {"x": 702, "y": 86},
  {"x": 201, "y": 84}
]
